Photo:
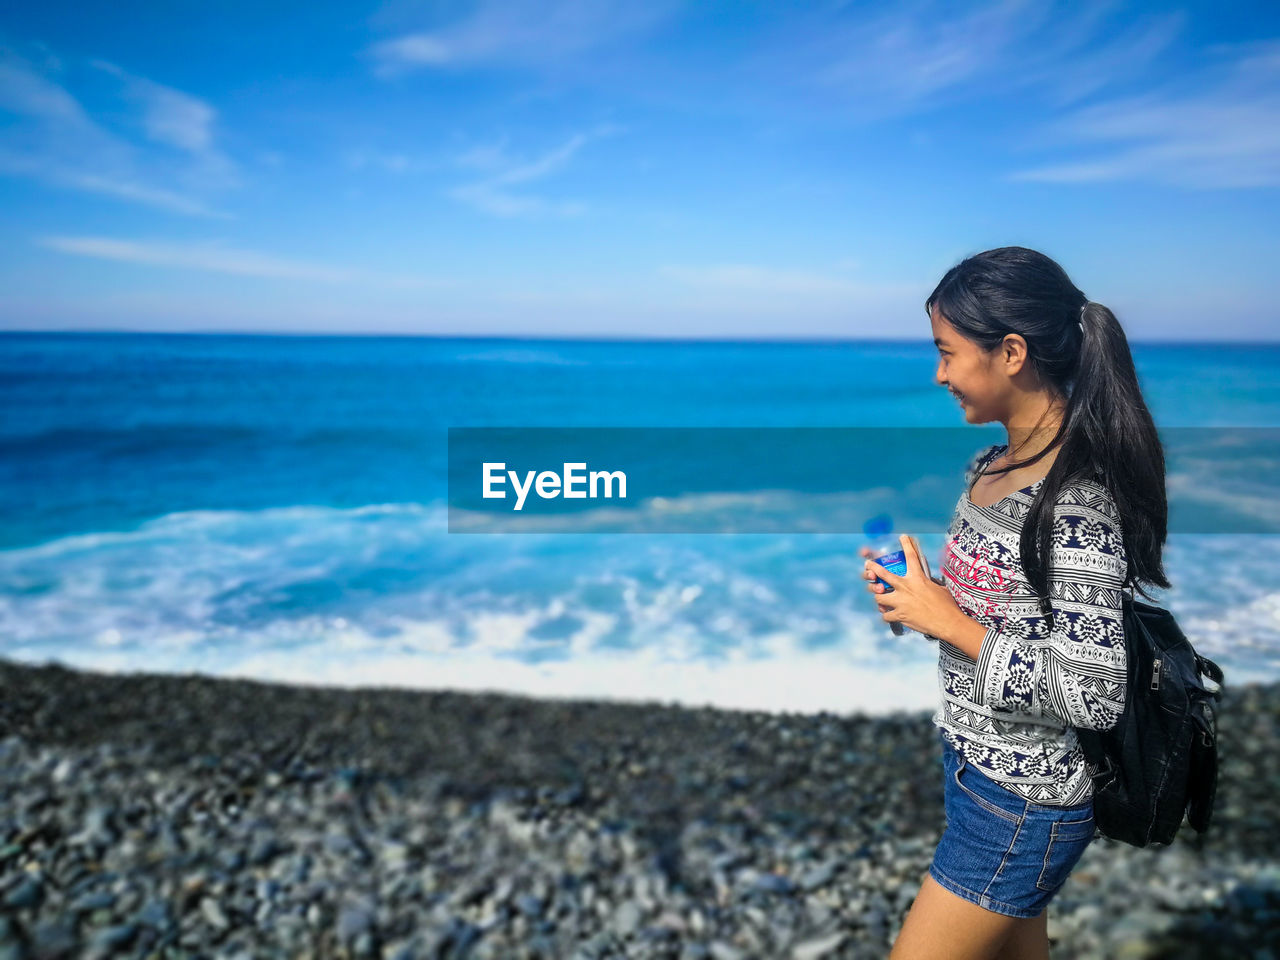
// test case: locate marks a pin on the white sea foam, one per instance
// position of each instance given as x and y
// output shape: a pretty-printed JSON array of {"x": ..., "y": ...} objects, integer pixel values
[
  {"x": 381, "y": 595},
  {"x": 789, "y": 680}
]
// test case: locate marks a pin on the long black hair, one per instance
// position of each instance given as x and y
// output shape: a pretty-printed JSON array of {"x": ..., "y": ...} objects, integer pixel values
[{"x": 1079, "y": 350}]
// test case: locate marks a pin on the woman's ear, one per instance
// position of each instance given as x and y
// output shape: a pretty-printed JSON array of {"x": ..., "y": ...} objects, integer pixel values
[{"x": 1013, "y": 353}]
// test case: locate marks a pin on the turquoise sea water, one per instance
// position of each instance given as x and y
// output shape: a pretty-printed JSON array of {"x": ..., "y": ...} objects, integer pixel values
[{"x": 274, "y": 507}]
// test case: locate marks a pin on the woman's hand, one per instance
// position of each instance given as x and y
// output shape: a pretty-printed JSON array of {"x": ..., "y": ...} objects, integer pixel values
[{"x": 916, "y": 601}]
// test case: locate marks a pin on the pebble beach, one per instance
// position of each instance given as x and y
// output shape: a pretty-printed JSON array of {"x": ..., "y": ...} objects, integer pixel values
[{"x": 182, "y": 816}]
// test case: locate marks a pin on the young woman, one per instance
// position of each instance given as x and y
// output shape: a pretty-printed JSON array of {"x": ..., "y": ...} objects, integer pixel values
[{"x": 1062, "y": 517}]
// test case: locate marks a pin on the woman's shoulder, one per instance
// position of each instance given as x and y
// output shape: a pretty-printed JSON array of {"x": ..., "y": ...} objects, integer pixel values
[
  {"x": 978, "y": 460},
  {"x": 1077, "y": 495},
  {"x": 1087, "y": 497}
]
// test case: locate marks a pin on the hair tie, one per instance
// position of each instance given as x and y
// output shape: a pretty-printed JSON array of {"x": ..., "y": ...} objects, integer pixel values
[{"x": 1080, "y": 322}]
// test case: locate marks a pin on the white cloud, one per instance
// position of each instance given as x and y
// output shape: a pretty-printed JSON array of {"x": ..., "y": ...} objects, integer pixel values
[
  {"x": 169, "y": 116},
  {"x": 494, "y": 195},
  {"x": 58, "y": 173},
  {"x": 549, "y": 162},
  {"x": 23, "y": 91},
  {"x": 485, "y": 156},
  {"x": 414, "y": 49},
  {"x": 914, "y": 51},
  {"x": 217, "y": 259},
  {"x": 752, "y": 279},
  {"x": 867, "y": 63},
  {"x": 520, "y": 32},
  {"x": 151, "y": 196},
  {"x": 487, "y": 198},
  {"x": 1104, "y": 57},
  {"x": 391, "y": 162},
  {"x": 54, "y": 140},
  {"x": 1214, "y": 126},
  {"x": 176, "y": 119},
  {"x": 1218, "y": 130}
]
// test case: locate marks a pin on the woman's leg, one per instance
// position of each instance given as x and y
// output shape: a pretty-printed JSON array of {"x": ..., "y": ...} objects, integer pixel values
[
  {"x": 943, "y": 926},
  {"x": 1029, "y": 940}
]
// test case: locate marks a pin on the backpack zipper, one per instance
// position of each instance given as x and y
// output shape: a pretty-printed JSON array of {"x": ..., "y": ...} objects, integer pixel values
[{"x": 1155, "y": 674}]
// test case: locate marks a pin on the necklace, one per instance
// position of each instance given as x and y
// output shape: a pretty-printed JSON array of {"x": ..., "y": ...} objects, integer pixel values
[{"x": 996, "y": 583}]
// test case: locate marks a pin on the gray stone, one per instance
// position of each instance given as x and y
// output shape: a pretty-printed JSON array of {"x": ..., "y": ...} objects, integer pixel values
[
  {"x": 113, "y": 937},
  {"x": 26, "y": 895},
  {"x": 626, "y": 918},
  {"x": 213, "y": 914},
  {"x": 818, "y": 876},
  {"x": 818, "y": 947},
  {"x": 354, "y": 918},
  {"x": 724, "y": 951}
]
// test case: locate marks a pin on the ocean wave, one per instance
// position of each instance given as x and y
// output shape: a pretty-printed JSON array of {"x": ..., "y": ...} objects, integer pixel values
[{"x": 382, "y": 593}]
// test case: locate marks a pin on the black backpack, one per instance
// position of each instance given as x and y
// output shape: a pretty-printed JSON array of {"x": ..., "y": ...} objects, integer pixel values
[{"x": 1160, "y": 760}]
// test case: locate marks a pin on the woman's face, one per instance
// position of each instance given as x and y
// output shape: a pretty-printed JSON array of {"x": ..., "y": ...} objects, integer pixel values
[{"x": 965, "y": 369}]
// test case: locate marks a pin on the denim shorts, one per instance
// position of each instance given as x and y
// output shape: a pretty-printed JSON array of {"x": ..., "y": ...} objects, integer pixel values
[{"x": 1000, "y": 851}]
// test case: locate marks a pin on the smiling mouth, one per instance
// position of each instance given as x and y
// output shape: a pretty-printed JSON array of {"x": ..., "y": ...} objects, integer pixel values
[{"x": 958, "y": 396}]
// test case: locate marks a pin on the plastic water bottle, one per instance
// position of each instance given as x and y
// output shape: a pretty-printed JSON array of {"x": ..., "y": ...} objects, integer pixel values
[{"x": 879, "y": 531}]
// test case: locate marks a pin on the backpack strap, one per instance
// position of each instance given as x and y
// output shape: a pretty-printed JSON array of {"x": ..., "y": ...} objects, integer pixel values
[
  {"x": 1209, "y": 668},
  {"x": 1206, "y": 666}
]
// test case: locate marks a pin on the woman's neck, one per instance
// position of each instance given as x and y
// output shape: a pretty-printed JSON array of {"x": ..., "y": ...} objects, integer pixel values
[{"x": 1032, "y": 430}]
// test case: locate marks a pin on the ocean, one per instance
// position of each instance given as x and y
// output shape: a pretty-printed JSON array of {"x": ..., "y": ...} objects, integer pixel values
[{"x": 274, "y": 507}]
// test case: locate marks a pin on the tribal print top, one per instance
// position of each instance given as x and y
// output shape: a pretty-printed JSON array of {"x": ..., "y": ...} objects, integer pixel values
[{"x": 1010, "y": 712}]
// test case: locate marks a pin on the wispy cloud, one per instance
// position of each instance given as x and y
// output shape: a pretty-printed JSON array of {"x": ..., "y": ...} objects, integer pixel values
[
  {"x": 1097, "y": 55},
  {"x": 170, "y": 116},
  {"x": 520, "y": 33},
  {"x": 390, "y": 162},
  {"x": 1220, "y": 129},
  {"x": 754, "y": 279},
  {"x": 488, "y": 199},
  {"x": 179, "y": 120},
  {"x": 916, "y": 56},
  {"x": 27, "y": 93},
  {"x": 218, "y": 259},
  {"x": 754, "y": 299},
  {"x": 494, "y": 194},
  {"x": 916, "y": 50},
  {"x": 61, "y": 174},
  {"x": 53, "y": 139}
]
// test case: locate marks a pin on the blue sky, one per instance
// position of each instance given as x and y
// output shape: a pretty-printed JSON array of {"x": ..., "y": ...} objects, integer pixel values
[{"x": 571, "y": 168}]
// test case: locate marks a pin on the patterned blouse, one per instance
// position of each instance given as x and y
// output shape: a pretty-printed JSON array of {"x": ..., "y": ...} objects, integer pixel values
[{"x": 1011, "y": 711}]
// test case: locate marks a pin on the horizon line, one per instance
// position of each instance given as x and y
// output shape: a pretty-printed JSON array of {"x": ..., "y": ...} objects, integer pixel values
[{"x": 562, "y": 338}]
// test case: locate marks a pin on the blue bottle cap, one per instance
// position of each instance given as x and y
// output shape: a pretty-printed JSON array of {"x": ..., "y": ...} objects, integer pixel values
[{"x": 878, "y": 526}]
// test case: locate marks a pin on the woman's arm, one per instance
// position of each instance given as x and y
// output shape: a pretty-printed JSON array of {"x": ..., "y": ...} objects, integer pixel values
[
  {"x": 966, "y": 634},
  {"x": 1076, "y": 674}
]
